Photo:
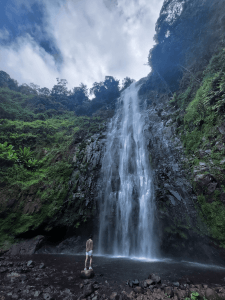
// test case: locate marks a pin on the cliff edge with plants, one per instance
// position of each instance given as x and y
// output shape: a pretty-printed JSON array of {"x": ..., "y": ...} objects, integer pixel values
[{"x": 185, "y": 93}]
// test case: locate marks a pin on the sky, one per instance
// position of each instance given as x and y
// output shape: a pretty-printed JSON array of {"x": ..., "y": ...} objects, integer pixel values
[{"x": 77, "y": 40}]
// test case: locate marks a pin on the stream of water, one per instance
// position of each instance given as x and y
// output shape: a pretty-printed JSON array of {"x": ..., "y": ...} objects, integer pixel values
[{"x": 127, "y": 207}]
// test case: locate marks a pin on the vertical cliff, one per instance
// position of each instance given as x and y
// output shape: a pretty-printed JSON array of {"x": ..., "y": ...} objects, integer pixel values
[{"x": 185, "y": 127}]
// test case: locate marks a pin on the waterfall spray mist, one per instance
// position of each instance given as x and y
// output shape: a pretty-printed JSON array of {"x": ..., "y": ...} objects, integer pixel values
[{"x": 127, "y": 198}]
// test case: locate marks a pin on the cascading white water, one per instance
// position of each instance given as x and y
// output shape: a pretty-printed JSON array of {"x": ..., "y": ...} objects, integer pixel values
[{"x": 127, "y": 207}]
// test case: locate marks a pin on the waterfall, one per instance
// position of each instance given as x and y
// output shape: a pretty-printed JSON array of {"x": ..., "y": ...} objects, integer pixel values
[{"x": 126, "y": 197}]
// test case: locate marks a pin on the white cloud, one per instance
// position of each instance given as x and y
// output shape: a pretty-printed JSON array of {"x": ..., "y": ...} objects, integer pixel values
[
  {"x": 95, "y": 39},
  {"x": 26, "y": 62},
  {"x": 4, "y": 34}
]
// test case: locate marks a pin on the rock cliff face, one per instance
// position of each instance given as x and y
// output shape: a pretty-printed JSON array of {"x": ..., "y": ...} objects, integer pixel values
[
  {"x": 185, "y": 126},
  {"x": 87, "y": 162},
  {"x": 78, "y": 213},
  {"x": 188, "y": 33},
  {"x": 180, "y": 230}
]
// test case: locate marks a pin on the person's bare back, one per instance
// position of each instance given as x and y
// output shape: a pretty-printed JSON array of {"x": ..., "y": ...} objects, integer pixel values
[
  {"x": 89, "y": 251},
  {"x": 89, "y": 245}
]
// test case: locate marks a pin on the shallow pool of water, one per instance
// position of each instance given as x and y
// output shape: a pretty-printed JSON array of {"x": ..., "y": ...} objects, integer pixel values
[{"x": 124, "y": 268}]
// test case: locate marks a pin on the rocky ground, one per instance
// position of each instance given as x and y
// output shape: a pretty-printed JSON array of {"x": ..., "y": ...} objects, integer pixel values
[{"x": 53, "y": 277}]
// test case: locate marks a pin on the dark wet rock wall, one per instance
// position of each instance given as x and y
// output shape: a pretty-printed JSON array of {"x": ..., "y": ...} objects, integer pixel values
[
  {"x": 79, "y": 212},
  {"x": 181, "y": 231}
]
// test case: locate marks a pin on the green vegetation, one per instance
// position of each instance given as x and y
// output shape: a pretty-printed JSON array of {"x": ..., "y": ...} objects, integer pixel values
[
  {"x": 194, "y": 296},
  {"x": 12, "y": 105},
  {"x": 183, "y": 99},
  {"x": 198, "y": 126},
  {"x": 205, "y": 111},
  {"x": 214, "y": 216},
  {"x": 36, "y": 165}
]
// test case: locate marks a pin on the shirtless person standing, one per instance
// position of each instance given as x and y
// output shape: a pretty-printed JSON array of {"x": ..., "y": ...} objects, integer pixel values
[{"x": 89, "y": 250}]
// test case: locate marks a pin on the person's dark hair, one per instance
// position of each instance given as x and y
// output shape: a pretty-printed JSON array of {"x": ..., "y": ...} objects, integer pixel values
[{"x": 90, "y": 236}]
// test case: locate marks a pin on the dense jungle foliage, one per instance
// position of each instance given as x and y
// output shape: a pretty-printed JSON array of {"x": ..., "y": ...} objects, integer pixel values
[
  {"x": 39, "y": 132},
  {"x": 47, "y": 103},
  {"x": 36, "y": 166}
]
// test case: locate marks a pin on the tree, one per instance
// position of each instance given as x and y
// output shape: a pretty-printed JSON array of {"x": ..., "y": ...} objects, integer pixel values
[
  {"x": 77, "y": 97},
  {"x": 106, "y": 93},
  {"x": 127, "y": 81},
  {"x": 35, "y": 87},
  {"x": 98, "y": 90},
  {"x": 26, "y": 89},
  {"x": 7, "y": 81},
  {"x": 59, "y": 91},
  {"x": 107, "y": 90},
  {"x": 44, "y": 91}
]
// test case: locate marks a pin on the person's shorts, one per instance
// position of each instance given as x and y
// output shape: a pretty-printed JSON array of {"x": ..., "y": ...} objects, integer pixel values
[{"x": 89, "y": 253}]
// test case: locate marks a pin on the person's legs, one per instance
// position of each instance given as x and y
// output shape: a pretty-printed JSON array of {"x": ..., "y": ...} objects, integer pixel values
[
  {"x": 90, "y": 261},
  {"x": 86, "y": 261}
]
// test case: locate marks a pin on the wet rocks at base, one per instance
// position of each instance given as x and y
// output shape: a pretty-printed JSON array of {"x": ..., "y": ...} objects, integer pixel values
[
  {"x": 24, "y": 278},
  {"x": 48, "y": 277},
  {"x": 154, "y": 288},
  {"x": 86, "y": 274}
]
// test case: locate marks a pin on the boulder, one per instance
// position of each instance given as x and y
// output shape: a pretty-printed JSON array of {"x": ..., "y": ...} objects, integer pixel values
[
  {"x": 124, "y": 296},
  {"x": 48, "y": 296},
  {"x": 138, "y": 289},
  {"x": 27, "y": 247},
  {"x": 136, "y": 282},
  {"x": 154, "y": 278},
  {"x": 130, "y": 283},
  {"x": 114, "y": 296},
  {"x": 182, "y": 294},
  {"x": 42, "y": 266},
  {"x": 149, "y": 282},
  {"x": 30, "y": 264},
  {"x": 96, "y": 286},
  {"x": 158, "y": 294},
  {"x": 37, "y": 293},
  {"x": 13, "y": 275},
  {"x": 131, "y": 295},
  {"x": 210, "y": 294},
  {"x": 177, "y": 284},
  {"x": 88, "y": 290},
  {"x": 168, "y": 291},
  {"x": 86, "y": 274}
]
